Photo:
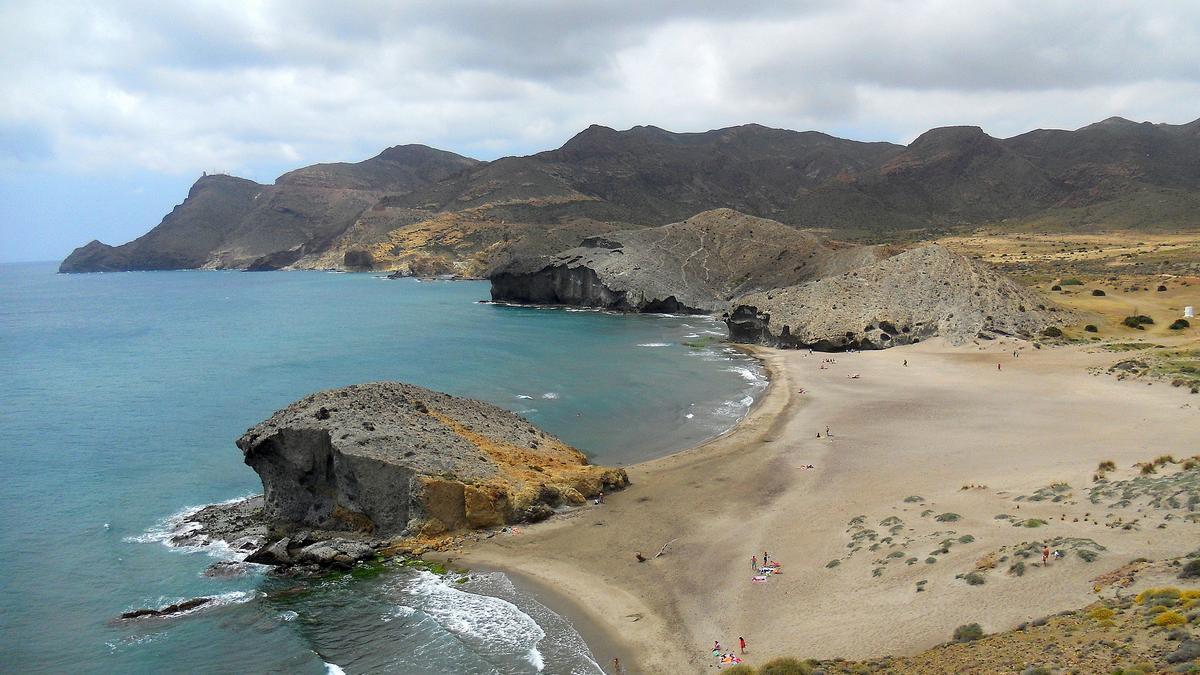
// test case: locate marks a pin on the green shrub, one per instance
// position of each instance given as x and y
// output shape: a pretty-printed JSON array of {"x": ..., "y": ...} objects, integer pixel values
[
  {"x": 1191, "y": 570},
  {"x": 1033, "y": 522},
  {"x": 1087, "y": 555},
  {"x": 968, "y": 632},
  {"x": 1137, "y": 321},
  {"x": 914, "y": 498},
  {"x": 1071, "y": 282},
  {"x": 739, "y": 669},
  {"x": 1052, "y": 332},
  {"x": 966, "y": 539},
  {"x": 785, "y": 666},
  {"x": 1179, "y": 324},
  {"x": 832, "y": 564},
  {"x": 947, "y": 517},
  {"x": 1091, "y": 328},
  {"x": 1017, "y": 568},
  {"x": 1097, "y": 292},
  {"x": 975, "y": 579},
  {"x": 1107, "y": 465},
  {"x": 1056, "y": 287}
]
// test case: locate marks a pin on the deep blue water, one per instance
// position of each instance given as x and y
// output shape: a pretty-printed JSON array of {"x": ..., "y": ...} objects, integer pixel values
[{"x": 120, "y": 398}]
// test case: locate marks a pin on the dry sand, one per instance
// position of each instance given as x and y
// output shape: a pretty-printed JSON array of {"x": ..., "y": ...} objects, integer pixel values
[{"x": 948, "y": 420}]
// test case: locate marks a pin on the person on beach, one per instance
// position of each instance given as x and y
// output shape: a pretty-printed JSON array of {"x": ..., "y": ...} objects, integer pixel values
[
  {"x": 754, "y": 563},
  {"x": 827, "y": 434},
  {"x": 905, "y": 363},
  {"x": 765, "y": 559},
  {"x": 1045, "y": 554},
  {"x": 742, "y": 644},
  {"x": 616, "y": 665},
  {"x": 997, "y": 366}
]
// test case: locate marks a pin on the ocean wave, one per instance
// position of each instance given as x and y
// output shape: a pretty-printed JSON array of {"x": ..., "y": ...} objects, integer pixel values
[
  {"x": 655, "y": 344},
  {"x": 333, "y": 669},
  {"x": 747, "y": 374},
  {"x": 179, "y": 524},
  {"x": 524, "y": 396},
  {"x": 550, "y": 395},
  {"x": 399, "y": 612},
  {"x": 490, "y": 625}
]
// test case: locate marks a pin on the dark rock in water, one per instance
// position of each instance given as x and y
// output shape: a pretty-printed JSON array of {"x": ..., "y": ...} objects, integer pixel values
[
  {"x": 909, "y": 297},
  {"x": 227, "y": 568},
  {"x": 384, "y": 457},
  {"x": 275, "y": 553},
  {"x": 169, "y": 610}
]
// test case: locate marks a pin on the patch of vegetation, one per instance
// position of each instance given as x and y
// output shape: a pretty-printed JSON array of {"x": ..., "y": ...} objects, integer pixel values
[
  {"x": 832, "y": 564},
  {"x": 1170, "y": 618},
  {"x": 1191, "y": 569},
  {"x": 968, "y": 632},
  {"x": 700, "y": 343},
  {"x": 1032, "y": 522},
  {"x": 948, "y": 517},
  {"x": 1070, "y": 282},
  {"x": 1087, "y": 555},
  {"x": 975, "y": 579},
  {"x": 1179, "y": 324},
  {"x": 1137, "y": 321},
  {"x": 912, "y": 499},
  {"x": 966, "y": 539},
  {"x": 1091, "y": 328},
  {"x": 785, "y": 666},
  {"x": 426, "y": 565},
  {"x": 1107, "y": 465},
  {"x": 1017, "y": 569}
]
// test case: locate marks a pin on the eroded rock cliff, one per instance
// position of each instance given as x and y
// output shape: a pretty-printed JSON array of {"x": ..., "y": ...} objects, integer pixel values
[
  {"x": 921, "y": 293},
  {"x": 696, "y": 265},
  {"x": 388, "y": 458}
]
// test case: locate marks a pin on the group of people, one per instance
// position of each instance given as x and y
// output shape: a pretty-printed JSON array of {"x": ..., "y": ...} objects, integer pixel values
[{"x": 728, "y": 658}]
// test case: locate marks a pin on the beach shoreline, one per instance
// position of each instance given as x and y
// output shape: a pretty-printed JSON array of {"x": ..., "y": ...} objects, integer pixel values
[{"x": 947, "y": 429}]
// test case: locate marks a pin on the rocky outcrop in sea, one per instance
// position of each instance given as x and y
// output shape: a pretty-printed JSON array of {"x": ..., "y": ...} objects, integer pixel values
[{"x": 346, "y": 471}]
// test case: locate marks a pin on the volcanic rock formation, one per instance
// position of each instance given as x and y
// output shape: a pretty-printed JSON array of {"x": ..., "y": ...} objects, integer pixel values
[
  {"x": 388, "y": 458},
  {"x": 697, "y": 265},
  {"x": 918, "y": 294}
]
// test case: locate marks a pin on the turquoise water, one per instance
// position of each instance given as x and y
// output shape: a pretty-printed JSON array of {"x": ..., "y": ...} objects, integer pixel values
[{"x": 122, "y": 394}]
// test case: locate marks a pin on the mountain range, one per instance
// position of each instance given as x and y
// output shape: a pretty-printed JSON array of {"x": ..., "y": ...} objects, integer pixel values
[{"x": 418, "y": 210}]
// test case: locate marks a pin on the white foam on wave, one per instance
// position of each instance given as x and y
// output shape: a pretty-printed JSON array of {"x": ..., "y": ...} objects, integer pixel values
[
  {"x": 550, "y": 395},
  {"x": 524, "y": 396},
  {"x": 333, "y": 669},
  {"x": 180, "y": 524},
  {"x": 655, "y": 344},
  {"x": 746, "y": 373},
  {"x": 491, "y": 625},
  {"x": 399, "y": 612}
]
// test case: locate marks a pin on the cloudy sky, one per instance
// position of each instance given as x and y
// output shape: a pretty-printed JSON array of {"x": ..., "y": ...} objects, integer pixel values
[{"x": 110, "y": 110}]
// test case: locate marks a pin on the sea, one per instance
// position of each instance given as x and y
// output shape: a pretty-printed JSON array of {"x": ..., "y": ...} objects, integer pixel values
[{"x": 121, "y": 395}]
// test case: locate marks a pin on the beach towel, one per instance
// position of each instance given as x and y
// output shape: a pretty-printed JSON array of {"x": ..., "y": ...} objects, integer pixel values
[{"x": 759, "y": 580}]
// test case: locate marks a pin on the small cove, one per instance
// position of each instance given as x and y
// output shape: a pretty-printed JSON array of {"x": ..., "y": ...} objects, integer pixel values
[{"x": 124, "y": 393}]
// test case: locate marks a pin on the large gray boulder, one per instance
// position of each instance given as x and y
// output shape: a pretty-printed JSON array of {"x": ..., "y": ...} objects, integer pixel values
[
  {"x": 921, "y": 293},
  {"x": 385, "y": 457}
]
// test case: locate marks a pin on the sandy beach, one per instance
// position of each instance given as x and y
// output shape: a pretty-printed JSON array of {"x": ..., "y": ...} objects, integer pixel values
[{"x": 933, "y": 470}]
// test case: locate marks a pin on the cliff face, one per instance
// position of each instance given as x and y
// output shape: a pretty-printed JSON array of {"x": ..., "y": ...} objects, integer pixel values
[
  {"x": 389, "y": 458},
  {"x": 906, "y": 298},
  {"x": 696, "y": 265}
]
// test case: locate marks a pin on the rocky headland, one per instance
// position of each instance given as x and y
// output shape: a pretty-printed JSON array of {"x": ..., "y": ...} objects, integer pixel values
[
  {"x": 347, "y": 471},
  {"x": 912, "y": 296},
  {"x": 694, "y": 266}
]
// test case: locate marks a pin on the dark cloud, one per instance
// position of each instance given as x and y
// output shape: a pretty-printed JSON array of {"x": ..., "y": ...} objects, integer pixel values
[{"x": 183, "y": 86}]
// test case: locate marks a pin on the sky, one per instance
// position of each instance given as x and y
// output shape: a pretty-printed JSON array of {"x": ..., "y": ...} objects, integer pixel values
[{"x": 110, "y": 111}]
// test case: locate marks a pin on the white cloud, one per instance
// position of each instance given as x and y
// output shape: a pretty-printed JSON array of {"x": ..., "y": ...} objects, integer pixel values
[{"x": 180, "y": 87}]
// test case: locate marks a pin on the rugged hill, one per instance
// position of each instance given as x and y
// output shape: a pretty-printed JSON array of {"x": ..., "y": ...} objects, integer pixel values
[
  {"x": 696, "y": 265},
  {"x": 368, "y": 215},
  {"x": 918, "y": 294},
  {"x": 390, "y": 458},
  {"x": 232, "y": 222}
]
